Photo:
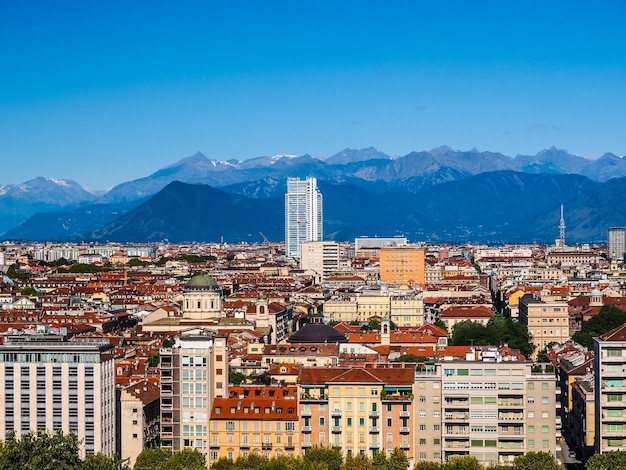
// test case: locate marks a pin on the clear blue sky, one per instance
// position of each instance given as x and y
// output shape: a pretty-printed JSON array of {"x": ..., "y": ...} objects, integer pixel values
[{"x": 103, "y": 92}]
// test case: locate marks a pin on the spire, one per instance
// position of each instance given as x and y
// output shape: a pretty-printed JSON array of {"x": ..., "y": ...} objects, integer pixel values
[{"x": 562, "y": 229}]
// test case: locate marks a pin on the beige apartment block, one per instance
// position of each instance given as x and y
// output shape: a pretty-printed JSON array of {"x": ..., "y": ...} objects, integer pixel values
[
  {"x": 547, "y": 321},
  {"x": 138, "y": 414},
  {"x": 49, "y": 383},
  {"x": 484, "y": 407},
  {"x": 193, "y": 373}
]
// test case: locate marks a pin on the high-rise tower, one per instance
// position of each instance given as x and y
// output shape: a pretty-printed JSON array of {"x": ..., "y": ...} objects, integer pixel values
[{"x": 303, "y": 214}]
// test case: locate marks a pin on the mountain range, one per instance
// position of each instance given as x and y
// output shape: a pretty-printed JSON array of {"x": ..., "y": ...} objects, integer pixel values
[{"x": 441, "y": 195}]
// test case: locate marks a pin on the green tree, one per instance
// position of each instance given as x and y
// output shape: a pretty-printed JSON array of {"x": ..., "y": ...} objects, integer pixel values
[
  {"x": 152, "y": 459},
  {"x": 236, "y": 378},
  {"x": 410, "y": 358},
  {"x": 536, "y": 461},
  {"x": 169, "y": 342},
  {"x": 397, "y": 460},
  {"x": 379, "y": 461},
  {"x": 610, "y": 317},
  {"x": 356, "y": 462},
  {"x": 608, "y": 460},
  {"x": 40, "y": 451},
  {"x": 28, "y": 291},
  {"x": 185, "y": 459},
  {"x": 426, "y": 465},
  {"x": 223, "y": 463},
  {"x": 465, "y": 462},
  {"x": 102, "y": 462},
  {"x": 441, "y": 324},
  {"x": 154, "y": 360},
  {"x": 331, "y": 456}
]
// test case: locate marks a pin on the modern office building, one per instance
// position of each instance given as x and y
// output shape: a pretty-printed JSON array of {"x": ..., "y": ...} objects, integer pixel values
[
  {"x": 47, "y": 382},
  {"x": 616, "y": 243},
  {"x": 193, "y": 373},
  {"x": 303, "y": 214},
  {"x": 610, "y": 390}
]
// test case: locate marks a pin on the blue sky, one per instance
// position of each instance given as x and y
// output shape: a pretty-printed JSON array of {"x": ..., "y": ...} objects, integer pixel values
[{"x": 105, "y": 92}]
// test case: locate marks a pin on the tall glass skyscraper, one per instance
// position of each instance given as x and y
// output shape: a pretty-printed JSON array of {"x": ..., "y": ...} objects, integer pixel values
[
  {"x": 303, "y": 214},
  {"x": 616, "y": 243}
]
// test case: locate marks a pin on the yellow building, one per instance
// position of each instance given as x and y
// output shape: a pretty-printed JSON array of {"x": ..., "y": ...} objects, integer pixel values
[
  {"x": 359, "y": 410},
  {"x": 402, "y": 265},
  {"x": 547, "y": 321},
  {"x": 254, "y": 419}
]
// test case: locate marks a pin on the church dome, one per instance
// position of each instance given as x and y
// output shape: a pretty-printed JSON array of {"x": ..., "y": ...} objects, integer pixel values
[
  {"x": 202, "y": 282},
  {"x": 317, "y": 333}
]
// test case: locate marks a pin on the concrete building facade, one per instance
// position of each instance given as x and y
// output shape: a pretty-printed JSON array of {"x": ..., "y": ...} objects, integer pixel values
[{"x": 49, "y": 383}]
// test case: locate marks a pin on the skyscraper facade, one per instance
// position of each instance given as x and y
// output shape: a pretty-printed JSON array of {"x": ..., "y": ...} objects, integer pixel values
[
  {"x": 616, "y": 243},
  {"x": 303, "y": 214}
]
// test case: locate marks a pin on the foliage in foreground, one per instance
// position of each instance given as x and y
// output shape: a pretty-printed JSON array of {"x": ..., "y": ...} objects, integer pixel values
[
  {"x": 42, "y": 450},
  {"x": 324, "y": 458}
]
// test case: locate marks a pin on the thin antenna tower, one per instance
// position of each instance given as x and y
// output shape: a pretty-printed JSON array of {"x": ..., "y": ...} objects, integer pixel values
[{"x": 562, "y": 228}]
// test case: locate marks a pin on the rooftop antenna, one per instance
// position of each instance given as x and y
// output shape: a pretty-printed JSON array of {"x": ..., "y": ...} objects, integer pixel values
[{"x": 562, "y": 229}]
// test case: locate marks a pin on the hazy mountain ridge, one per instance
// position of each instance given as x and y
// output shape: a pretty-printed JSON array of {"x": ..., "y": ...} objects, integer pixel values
[{"x": 380, "y": 180}]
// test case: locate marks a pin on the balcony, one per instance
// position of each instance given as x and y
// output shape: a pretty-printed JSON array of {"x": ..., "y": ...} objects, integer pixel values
[
  {"x": 405, "y": 446},
  {"x": 305, "y": 445},
  {"x": 404, "y": 430},
  {"x": 306, "y": 429},
  {"x": 336, "y": 413},
  {"x": 214, "y": 445},
  {"x": 374, "y": 414},
  {"x": 374, "y": 445},
  {"x": 405, "y": 414},
  {"x": 397, "y": 397},
  {"x": 244, "y": 445},
  {"x": 336, "y": 429},
  {"x": 305, "y": 414},
  {"x": 306, "y": 397},
  {"x": 266, "y": 446},
  {"x": 374, "y": 430}
]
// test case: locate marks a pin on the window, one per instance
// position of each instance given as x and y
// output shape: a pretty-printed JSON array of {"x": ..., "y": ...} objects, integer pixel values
[
  {"x": 544, "y": 428},
  {"x": 422, "y": 427}
]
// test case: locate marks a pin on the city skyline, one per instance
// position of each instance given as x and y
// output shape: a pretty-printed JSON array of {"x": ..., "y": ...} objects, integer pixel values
[{"x": 106, "y": 95}]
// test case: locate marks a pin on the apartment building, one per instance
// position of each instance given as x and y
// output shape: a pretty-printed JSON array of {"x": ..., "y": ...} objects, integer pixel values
[
  {"x": 362, "y": 410},
  {"x": 254, "y": 419},
  {"x": 610, "y": 390},
  {"x": 137, "y": 419},
  {"x": 193, "y": 373},
  {"x": 404, "y": 309},
  {"x": 547, "y": 321},
  {"x": 485, "y": 407},
  {"x": 403, "y": 265},
  {"x": 47, "y": 382},
  {"x": 320, "y": 257}
]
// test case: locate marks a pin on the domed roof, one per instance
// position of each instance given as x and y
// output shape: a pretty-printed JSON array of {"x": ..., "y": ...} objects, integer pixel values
[
  {"x": 202, "y": 282},
  {"x": 317, "y": 333}
]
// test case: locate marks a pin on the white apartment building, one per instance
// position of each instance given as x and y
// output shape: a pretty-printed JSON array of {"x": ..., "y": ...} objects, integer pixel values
[
  {"x": 303, "y": 214},
  {"x": 56, "y": 385}
]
